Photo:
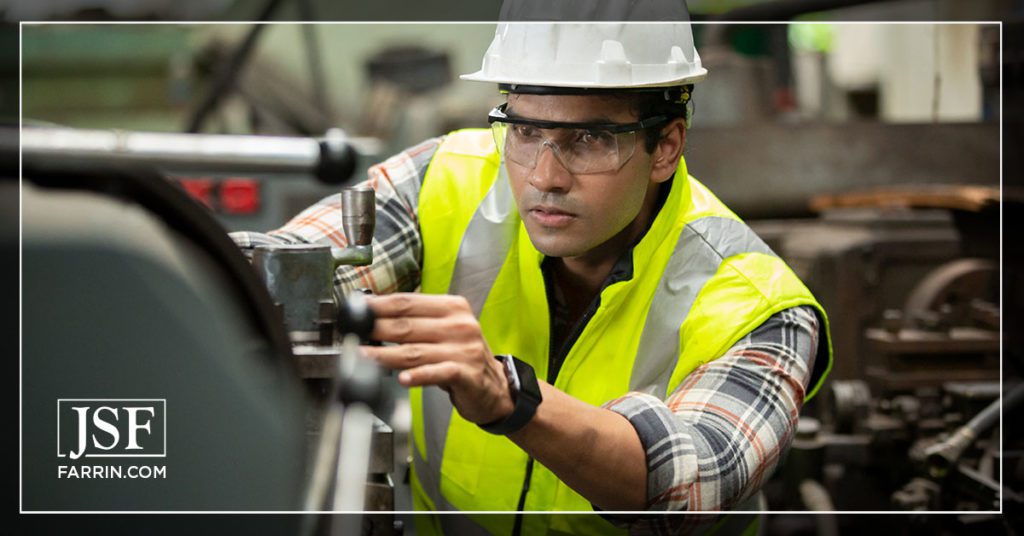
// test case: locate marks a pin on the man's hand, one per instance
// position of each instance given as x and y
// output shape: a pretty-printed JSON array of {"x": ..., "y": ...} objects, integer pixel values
[
  {"x": 595, "y": 451},
  {"x": 440, "y": 343}
]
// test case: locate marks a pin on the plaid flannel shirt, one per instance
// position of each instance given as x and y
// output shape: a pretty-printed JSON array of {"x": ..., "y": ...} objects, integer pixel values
[{"x": 710, "y": 444}]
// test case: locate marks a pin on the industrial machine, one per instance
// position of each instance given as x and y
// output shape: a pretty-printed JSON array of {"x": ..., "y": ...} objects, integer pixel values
[
  {"x": 325, "y": 331},
  {"x": 134, "y": 292},
  {"x": 910, "y": 420}
]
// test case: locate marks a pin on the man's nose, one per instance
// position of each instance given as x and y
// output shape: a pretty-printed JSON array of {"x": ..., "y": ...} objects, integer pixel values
[{"x": 550, "y": 174}]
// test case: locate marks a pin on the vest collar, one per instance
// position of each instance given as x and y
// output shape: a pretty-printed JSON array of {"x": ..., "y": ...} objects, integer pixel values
[{"x": 668, "y": 221}]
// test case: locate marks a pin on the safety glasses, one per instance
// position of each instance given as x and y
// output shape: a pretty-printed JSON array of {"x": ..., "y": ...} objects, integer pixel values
[{"x": 580, "y": 147}]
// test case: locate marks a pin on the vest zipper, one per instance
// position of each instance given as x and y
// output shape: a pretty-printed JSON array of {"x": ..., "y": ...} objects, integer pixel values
[
  {"x": 570, "y": 341},
  {"x": 563, "y": 352},
  {"x": 517, "y": 528}
]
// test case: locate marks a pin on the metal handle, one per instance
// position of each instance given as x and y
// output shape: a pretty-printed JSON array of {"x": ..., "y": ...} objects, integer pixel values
[
  {"x": 358, "y": 215},
  {"x": 358, "y": 221}
]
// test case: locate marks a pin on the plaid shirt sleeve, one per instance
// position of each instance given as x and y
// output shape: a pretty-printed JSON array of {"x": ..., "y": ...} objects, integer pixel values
[
  {"x": 397, "y": 245},
  {"x": 717, "y": 438}
]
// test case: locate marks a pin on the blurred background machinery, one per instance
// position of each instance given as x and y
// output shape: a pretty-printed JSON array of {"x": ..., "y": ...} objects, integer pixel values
[
  {"x": 909, "y": 420},
  {"x": 868, "y": 156}
]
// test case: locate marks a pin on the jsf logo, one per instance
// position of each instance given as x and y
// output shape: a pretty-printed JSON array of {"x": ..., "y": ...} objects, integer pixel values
[{"x": 112, "y": 428}]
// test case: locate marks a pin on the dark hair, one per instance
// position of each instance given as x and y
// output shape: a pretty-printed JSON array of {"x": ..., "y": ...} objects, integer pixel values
[{"x": 654, "y": 103}]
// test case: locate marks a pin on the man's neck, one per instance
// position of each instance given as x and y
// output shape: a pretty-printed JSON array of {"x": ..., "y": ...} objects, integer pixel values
[{"x": 583, "y": 275}]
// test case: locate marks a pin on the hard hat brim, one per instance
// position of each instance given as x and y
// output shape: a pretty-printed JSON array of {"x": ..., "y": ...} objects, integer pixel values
[{"x": 480, "y": 76}]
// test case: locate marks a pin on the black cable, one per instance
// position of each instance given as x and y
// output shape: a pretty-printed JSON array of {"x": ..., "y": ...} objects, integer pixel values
[
  {"x": 943, "y": 455},
  {"x": 316, "y": 67},
  {"x": 227, "y": 75}
]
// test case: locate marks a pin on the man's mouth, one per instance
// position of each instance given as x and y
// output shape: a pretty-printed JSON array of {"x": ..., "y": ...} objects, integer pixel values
[{"x": 550, "y": 216}]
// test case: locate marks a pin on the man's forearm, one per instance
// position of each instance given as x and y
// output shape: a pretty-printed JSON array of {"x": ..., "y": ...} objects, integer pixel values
[{"x": 594, "y": 450}]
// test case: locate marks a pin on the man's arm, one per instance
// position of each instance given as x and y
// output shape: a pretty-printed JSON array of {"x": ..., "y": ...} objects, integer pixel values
[
  {"x": 618, "y": 457},
  {"x": 595, "y": 451},
  {"x": 721, "y": 433}
]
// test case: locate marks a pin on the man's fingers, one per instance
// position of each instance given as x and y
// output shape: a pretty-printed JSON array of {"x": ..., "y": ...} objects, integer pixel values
[
  {"x": 405, "y": 356},
  {"x": 442, "y": 374},
  {"x": 413, "y": 329},
  {"x": 407, "y": 304}
]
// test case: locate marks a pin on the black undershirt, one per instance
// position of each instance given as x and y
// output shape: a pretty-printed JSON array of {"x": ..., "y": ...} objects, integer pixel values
[{"x": 565, "y": 329}]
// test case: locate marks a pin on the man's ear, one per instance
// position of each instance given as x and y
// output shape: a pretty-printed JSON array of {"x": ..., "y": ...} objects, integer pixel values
[{"x": 665, "y": 158}]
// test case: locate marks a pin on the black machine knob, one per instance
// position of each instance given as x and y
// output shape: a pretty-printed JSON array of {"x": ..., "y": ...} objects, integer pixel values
[{"x": 355, "y": 316}]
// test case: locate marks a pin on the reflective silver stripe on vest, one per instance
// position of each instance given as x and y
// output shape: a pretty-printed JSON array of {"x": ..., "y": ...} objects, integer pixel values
[
  {"x": 481, "y": 255},
  {"x": 450, "y": 524},
  {"x": 485, "y": 244},
  {"x": 702, "y": 246},
  {"x": 437, "y": 414}
]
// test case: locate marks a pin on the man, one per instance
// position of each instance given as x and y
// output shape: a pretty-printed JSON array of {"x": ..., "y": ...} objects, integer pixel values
[{"x": 652, "y": 352}]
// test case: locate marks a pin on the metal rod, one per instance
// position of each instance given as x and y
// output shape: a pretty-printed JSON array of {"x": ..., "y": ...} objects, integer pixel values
[
  {"x": 182, "y": 152},
  {"x": 353, "y": 462},
  {"x": 175, "y": 151},
  {"x": 326, "y": 457}
]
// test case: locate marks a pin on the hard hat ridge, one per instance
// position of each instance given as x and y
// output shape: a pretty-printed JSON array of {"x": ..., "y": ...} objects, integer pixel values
[
  {"x": 624, "y": 45},
  {"x": 591, "y": 55}
]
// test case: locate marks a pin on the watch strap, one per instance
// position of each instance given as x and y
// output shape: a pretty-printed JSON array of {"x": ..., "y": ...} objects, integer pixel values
[{"x": 525, "y": 394}]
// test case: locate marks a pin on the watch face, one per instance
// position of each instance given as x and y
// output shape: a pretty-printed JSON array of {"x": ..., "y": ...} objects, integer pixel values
[
  {"x": 525, "y": 393},
  {"x": 526, "y": 380},
  {"x": 511, "y": 373}
]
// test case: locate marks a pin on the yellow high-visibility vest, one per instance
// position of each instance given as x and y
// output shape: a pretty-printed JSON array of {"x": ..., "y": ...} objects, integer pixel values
[{"x": 701, "y": 281}]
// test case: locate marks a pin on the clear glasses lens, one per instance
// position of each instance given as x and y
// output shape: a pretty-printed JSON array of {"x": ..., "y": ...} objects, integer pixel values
[{"x": 579, "y": 150}]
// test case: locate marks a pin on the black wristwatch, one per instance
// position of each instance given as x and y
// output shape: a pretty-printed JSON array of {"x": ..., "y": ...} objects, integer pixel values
[{"x": 522, "y": 383}]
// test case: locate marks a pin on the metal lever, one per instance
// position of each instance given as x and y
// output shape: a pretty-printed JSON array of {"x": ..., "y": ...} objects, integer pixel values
[{"x": 358, "y": 206}]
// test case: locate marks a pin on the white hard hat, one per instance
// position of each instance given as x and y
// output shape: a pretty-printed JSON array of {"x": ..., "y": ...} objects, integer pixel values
[{"x": 591, "y": 55}]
